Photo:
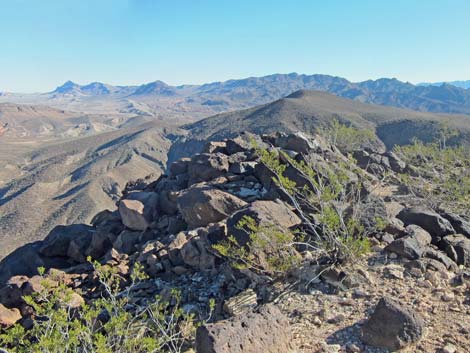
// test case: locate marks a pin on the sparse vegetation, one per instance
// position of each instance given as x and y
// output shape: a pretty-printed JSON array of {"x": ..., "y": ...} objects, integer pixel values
[
  {"x": 440, "y": 175},
  {"x": 269, "y": 249},
  {"x": 110, "y": 324},
  {"x": 347, "y": 138},
  {"x": 325, "y": 194}
]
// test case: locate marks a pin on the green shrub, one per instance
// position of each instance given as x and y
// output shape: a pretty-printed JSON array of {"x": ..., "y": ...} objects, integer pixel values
[
  {"x": 268, "y": 250},
  {"x": 346, "y": 138},
  {"x": 327, "y": 227},
  {"x": 441, "y": 176},
  {"x": 58, "y": 328}
]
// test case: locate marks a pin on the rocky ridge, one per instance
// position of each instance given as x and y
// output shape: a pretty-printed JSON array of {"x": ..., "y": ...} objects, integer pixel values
[{"x": 418, "y": 263}]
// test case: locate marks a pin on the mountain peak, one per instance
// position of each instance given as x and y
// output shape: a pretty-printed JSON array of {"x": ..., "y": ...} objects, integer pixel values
[
  {"x": 67, "y": 87},
  {"x": 155, "y": 88}
]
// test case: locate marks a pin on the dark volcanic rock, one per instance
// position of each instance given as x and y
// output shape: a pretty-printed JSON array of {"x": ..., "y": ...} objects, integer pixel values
[
  {"x": 297, "y": 142},
  {"x": 205, "y": 167},
  {"x": 260, "y": 332},
  {"x": 58, "y": 241},
  {"x": 460, "y": 224},
  {"x": 15, "y": 263},
  {"x": 202, "y": 205},
  {"x": 457, "y": 248},
  {"x": 266, "y": 213},
  {"x": 413, "y": 245},
  {"x": 392, "y": 326},
  {"x": 429, "y": 220}
]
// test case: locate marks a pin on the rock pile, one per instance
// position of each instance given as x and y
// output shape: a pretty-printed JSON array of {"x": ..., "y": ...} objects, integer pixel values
[{"x": 170, "y": 226}]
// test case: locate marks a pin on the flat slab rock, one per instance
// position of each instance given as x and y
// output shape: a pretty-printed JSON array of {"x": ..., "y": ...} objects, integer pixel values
[{"x": 256, "y": 332}]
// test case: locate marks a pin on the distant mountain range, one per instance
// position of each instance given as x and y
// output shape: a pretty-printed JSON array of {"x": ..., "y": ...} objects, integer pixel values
[
  {"x": 193, "y": 102},
  {"x": 461, "y": 84}
]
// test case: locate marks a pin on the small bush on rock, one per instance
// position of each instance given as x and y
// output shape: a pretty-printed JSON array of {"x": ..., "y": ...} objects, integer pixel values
[
  {"x": 268, "y": 250},
  {"x": 321, "y": 203}
]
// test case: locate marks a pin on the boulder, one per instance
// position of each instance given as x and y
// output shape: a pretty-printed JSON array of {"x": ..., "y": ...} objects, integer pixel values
[
  {"x": 15, "y": 264},
  {"x": 457, "y": 247},
  {"x": 460, "y": 224},
  {"x": 9, "y": 317},
  {"x": 266, "y": 213},
  {"x": 138, "y": 209},
  {"x": 392, "y": 326},
  {"x": 243, "y": 143},
  {"x": 205, "y": 167},
  {"x": 58, "y": 240},
  {"x": 126, "y": 242},
  {"x": 215, "y": 147},
  {"x": 427, "y": 219},
  {"x": 297, "y": 142},
  {"x": 264, "y": 331},
  {"x": 180, "y": 166},
  {"x": 202, "y": 205},
  {"x": 395, "y": 163},
  {"x": 11, "y": 294},
  {"x": 413, "y": 245},
  {"x": 195, "y": 254},
  {"x": 442, "y": 258}
]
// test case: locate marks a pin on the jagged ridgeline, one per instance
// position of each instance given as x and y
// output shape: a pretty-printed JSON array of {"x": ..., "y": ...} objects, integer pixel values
[{"x": 234, "y": 248}]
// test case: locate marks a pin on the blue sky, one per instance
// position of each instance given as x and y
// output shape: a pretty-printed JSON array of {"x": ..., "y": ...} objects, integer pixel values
[{"x": 46, "y": 42}]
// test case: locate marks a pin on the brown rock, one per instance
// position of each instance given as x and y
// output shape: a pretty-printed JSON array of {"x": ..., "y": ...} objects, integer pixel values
[
  {"x": 256, "y": 332},
  {"x": 138, "y": 209},
  {"x": 203, "y": 205},
  {"x": 205, "y": 167},
  {"x": 9, "y": 317},
  {"x": 266, "y": 213}
]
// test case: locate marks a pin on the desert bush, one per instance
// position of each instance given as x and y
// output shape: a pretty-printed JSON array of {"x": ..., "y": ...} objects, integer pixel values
[
  {"x": 346, "y": 138},
  {"x": 321, "y": 205},
  {"x": 269, "y": 250},
  {"x": 110, "y": 324},
  {"x": 441, "y": 176}
]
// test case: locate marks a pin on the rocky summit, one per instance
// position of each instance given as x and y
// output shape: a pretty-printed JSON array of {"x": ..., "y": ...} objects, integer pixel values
[{"x": 271, "y": 243}]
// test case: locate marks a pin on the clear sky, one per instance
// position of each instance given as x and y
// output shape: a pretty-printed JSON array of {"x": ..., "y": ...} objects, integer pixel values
[{"x": 46, "y": 42}]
